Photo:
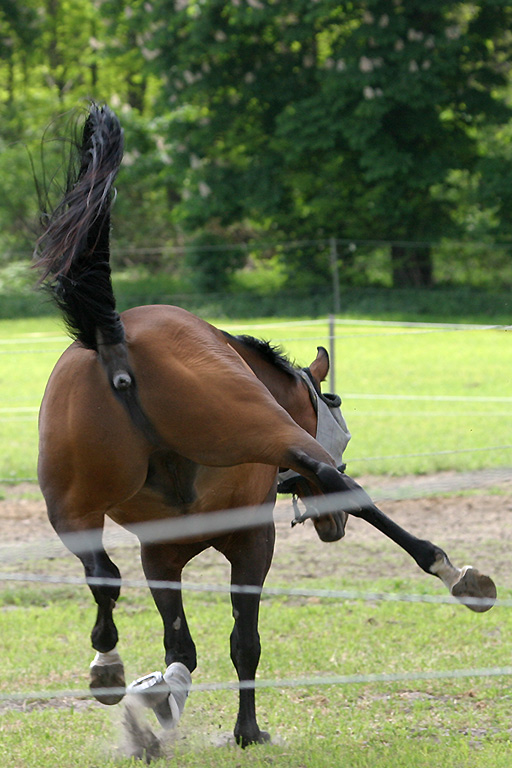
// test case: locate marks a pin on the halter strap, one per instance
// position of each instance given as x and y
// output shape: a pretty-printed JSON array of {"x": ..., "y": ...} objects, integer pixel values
[
  {"x": 329, "y": 398},
  {"x": 288, "y": 480}
]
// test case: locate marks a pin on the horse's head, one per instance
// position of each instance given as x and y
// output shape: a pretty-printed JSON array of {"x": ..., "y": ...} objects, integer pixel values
[{"x": 333, "y": 435}]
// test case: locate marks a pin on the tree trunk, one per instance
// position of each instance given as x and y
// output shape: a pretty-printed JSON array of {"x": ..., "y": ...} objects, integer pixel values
[
  {"x": 411, "y": 266},
  {"x": 136, "y": 86}
]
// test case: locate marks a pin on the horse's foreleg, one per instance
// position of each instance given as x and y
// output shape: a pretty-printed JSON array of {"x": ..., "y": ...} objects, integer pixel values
[
  {"x": 164, "y": 563},
  {"x": 245, "y": 655},
  {"x": 250, "y": 559}
]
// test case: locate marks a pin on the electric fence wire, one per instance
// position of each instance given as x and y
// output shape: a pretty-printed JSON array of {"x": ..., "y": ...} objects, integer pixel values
[
  {"x": 7, "y": 412},
  {"x": 315, "y": 681},
  {"x": 216, "y": 522},
  {"x": 238, "y": 519}
]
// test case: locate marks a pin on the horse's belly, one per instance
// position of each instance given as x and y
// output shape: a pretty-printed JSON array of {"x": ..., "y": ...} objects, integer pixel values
[{"x": 156, "y": 514}]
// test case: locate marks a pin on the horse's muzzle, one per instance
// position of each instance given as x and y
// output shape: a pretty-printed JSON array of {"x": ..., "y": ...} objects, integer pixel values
[{"x": 331, "y": 527}]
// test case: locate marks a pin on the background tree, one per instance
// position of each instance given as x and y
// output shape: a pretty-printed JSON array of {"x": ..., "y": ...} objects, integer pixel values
[
  {"x": 56, "y": 56},
  {"x": 45, "y": 68},
  {"x": 290, "y": 120},
  {"x": 311, "y": 118},
  {"x": 421, "y": 81}
]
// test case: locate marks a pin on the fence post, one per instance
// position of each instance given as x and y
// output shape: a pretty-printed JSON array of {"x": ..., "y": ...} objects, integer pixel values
[
  {"x": 332, "y": 355},
  {"x": 333, "y": 258}
]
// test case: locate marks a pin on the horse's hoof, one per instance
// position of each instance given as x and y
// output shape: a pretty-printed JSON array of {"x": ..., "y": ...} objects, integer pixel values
[
  {"x": 141, "y": 742},
  {"x": 154, "y": 692},
  {"x": 106, "y": 676},
  {"x": 152, "y": 689},
  {"x": 473, "y": 584},
  {"x": 165, "y": 694},
  {"x": 261, "y": 737}
]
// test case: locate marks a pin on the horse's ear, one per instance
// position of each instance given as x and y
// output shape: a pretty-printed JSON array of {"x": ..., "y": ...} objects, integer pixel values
[{"x": 320, "y": 365}]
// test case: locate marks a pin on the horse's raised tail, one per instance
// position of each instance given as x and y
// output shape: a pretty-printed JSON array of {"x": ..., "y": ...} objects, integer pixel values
[
  {"x": 73, "y": 258},
  {"x": 73, "y": 251}
]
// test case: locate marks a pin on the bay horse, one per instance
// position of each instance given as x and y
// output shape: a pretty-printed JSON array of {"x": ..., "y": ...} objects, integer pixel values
[{"x": 154, "y": 415}]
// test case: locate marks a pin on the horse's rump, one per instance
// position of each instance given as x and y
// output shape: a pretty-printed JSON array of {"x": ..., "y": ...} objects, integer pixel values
[
  {"x": 205, "y": 403},
  {"x": 198, "y": 391}
]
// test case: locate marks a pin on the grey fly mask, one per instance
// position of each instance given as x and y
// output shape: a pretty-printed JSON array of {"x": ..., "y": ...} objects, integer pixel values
[{"x": 331, "y": 430}]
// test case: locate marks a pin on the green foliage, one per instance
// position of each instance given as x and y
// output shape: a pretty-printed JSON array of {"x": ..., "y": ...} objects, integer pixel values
[
  {"x": 281, "y": 121},
  {"x": 326, "y": 116},
  {"x": 59, "y": 56},
  {"x": 211, "y": 261},
  {"x": 142, "y": 214}
]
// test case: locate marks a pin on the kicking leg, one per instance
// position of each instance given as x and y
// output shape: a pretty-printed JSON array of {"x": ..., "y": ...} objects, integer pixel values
[{"x": 468, "y": 585}]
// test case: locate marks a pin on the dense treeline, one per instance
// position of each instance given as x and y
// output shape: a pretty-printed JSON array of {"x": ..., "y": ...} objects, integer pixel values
[{"x": 384, "y": 125}]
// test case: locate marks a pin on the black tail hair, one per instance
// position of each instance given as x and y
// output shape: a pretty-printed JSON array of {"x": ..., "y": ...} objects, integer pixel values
[
  {"x": 73, "y": 258},
  {"x": 73, "y": 251}
]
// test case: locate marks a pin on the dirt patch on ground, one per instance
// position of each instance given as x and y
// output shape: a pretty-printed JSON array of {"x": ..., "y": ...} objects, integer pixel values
[{"x": 472, "y": 527}]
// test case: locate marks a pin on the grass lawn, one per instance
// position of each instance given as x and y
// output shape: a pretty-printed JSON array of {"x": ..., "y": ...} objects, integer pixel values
[
  {"x": 416, "y": 399},
  {"x": 459, "y": 723}
]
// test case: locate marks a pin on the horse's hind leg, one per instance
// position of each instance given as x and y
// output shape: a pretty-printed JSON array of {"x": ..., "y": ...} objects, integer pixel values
[
  {"x": 250, "y": 554},
  {"x": 167, "y": 694},
  {"x": 107, "y": 680}
]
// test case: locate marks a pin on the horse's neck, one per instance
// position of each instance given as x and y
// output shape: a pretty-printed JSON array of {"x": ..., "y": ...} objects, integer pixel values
[{"x": 290, "y": 393}]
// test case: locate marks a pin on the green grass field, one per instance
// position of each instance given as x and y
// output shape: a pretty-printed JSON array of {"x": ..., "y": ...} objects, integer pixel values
[
  {"x": 457, "y": 723},
  {"x": 416, "y": 399}
]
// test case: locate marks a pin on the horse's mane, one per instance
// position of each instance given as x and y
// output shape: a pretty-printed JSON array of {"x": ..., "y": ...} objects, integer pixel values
[{"x": 272, "y": 353}]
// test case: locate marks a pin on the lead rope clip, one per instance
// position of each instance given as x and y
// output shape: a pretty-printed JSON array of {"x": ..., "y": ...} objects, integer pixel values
[{"x": 309, "y": 511}]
